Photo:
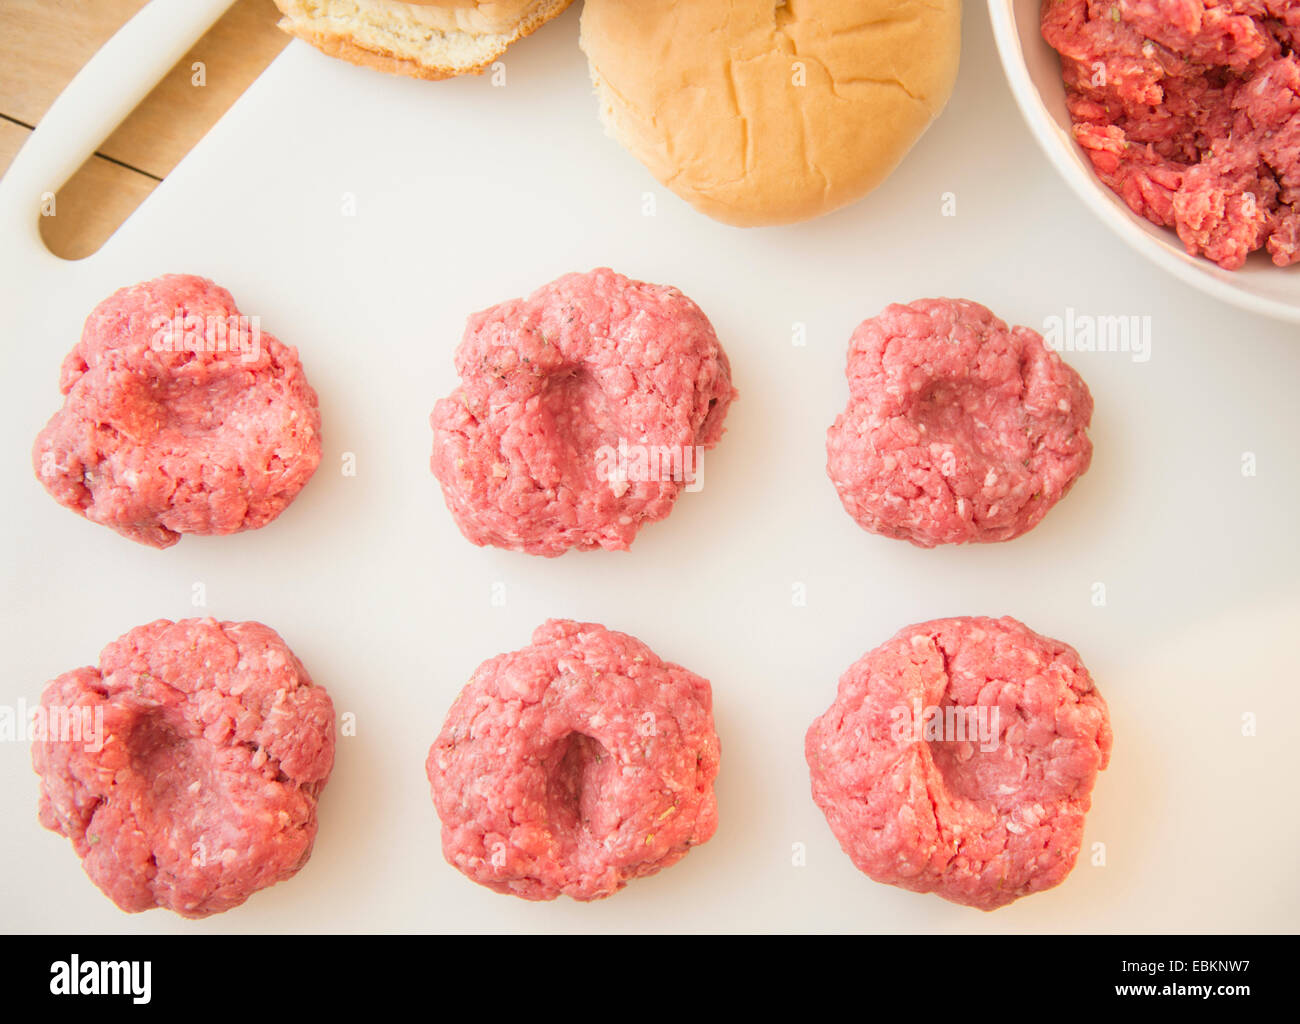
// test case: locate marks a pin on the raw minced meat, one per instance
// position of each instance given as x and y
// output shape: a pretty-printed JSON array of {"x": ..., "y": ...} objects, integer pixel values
[
  {"x": 588, "y": 365},
  {"x": 958, "y": 428},
  {"x": 180, "y": 416},
  {"x": 193, "y": 779},
  {"x": 979, "y": 823},
  {"x": 1190, "y": 111},
  {"x": 575, "y": 765}
]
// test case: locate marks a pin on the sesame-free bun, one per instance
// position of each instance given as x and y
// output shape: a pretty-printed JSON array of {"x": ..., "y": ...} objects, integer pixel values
[
  {"x": 768, "y": 112},
  {"x": 421, "y": 38}
]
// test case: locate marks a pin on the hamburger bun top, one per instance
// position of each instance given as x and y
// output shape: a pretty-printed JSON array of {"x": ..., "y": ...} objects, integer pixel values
[{"x": 758, "y": 112}]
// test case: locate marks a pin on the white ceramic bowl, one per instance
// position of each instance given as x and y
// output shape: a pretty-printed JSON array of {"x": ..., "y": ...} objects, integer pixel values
[{"x": 1034, "y": 72}]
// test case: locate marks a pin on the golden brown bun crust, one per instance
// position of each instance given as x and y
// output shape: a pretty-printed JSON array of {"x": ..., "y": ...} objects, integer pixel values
[
  {"x": 763, "y": 113},
  {"x": 458, "y": 46},
  {"x": 377, "y": 59}
]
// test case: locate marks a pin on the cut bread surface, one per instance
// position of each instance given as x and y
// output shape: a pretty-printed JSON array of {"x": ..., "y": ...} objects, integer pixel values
[{"x": 432, "y": 40}]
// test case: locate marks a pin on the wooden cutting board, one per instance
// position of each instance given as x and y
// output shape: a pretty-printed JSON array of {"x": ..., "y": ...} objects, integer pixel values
[{"x": 44, "y": 43}]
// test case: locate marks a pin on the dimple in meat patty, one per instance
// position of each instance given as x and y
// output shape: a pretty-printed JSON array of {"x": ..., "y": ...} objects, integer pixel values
[
  {"x": 179, "y": 416},
  {"x": 575, "y": 765},
  {"x": 583, "y": 365},
  {"x": 201, "y": 785},
  {"x": 958, "y": 429},
  {"x": 937, "y": 810},
  {"x": 1190, "y": 111}
]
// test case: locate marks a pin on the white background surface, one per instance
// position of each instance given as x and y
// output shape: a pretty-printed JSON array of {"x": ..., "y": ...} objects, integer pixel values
[{"x": 468, "y": 194}]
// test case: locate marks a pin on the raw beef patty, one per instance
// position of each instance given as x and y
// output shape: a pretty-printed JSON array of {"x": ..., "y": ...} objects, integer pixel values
[
  {"x": 959, "y": 758},
  {"x": 179, "y": 416},
  {"x": 553, "y": 388},
  {"x": 958, "y": 428},
  {"x": 192, "y": 779},
  {"x": 575, "y": 765}
]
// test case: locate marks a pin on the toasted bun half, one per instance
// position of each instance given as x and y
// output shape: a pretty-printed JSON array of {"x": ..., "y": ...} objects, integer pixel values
[
  {"x": 420, "y": 38},
  {"x": 769, "y": 112}
]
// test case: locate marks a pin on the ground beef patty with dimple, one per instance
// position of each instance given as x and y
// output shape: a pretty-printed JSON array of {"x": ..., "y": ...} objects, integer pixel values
[
  {"x": 575, "y": 765},
  {"x": 213, "y": 746},
  {"x": 551, "y": 385},
  {"x": 958, "y": 428},
  {"x": 959, "y": 758},
  {"x": 1190, "y": 111},
  {"x": 180, "y": 416}
]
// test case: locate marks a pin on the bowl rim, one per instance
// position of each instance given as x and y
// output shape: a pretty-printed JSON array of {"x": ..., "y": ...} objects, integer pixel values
[{"x": 1089, "y": 188}]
